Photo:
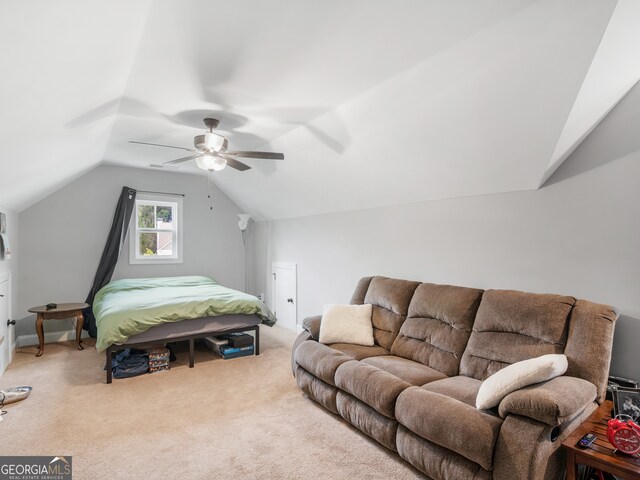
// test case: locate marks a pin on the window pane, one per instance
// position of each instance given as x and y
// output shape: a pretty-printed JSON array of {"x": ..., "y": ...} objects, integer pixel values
[
  {"x": 164, "y": 217},
  {"x": 165, "y": 243},
  {"x": 146, "y": 216},
  {"x": 148, "y": 243}
]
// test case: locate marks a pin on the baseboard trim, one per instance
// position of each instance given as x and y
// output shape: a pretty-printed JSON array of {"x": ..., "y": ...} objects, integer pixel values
[{"x": 49, "y": 337}]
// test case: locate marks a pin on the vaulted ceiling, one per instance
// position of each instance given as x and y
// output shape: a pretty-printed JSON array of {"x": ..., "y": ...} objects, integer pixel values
[{"x": 373, "y": 102}]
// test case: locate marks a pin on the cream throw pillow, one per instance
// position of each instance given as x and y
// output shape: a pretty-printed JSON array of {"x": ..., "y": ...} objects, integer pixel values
[
  {"x": 519, "y": 375},
  {"x": 346, "y": 324}
]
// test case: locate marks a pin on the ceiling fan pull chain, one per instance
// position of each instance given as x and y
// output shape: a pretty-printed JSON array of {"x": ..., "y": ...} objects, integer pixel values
[{"x": 210, "y": 188}]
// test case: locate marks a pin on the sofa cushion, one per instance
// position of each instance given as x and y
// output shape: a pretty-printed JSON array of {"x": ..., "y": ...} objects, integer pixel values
[
  {"x": 449, "y": 423},
  {"x": 518, "y": 375},
  {"x": 317, "y": 390},
  {"x": 438, "y": 325},
  {"x": 375, "y": 387},
  {"x": 320, "y": 360},
  {"x": 463, "y": 389},
  {"x": 346, "y": 323},
  {"x": 358, "y": 352},
  {"x": 513, "y": 326},
  {"x": 412, "y": 372},
  {"x": 551, "y": 402},
  {"x": 361, "y": 291},
  {"x": 390, "y": 299},
  {"x": 363, "y": 417},
  {"x": 436, "y": 461}
]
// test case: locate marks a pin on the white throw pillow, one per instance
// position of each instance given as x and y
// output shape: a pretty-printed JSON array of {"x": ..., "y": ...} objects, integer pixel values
[
  {"x": 517, "y": 376},
  {"x": 346, "y": 324}
]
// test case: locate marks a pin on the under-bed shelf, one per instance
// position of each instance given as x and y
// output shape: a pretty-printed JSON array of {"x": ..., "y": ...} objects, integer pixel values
[{"x": 191, "y": 338}]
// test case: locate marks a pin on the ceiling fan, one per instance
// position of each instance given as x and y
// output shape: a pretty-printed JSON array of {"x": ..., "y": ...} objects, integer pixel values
[{"x": 211, "y": 153}]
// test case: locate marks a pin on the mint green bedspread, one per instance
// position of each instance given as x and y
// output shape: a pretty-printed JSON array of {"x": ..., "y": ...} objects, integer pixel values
[{"x": 130, "y": 306}]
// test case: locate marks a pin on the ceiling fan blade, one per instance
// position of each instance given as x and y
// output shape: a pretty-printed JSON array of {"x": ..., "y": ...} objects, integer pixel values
[
  {"x": 267, "y": 155},
  {"x": 233, "y": 163},
  {"x": 180, "y": 160},
  {"x": 160, "y": 145}
]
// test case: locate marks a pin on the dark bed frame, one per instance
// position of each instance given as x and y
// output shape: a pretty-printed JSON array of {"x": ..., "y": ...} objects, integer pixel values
[{"x": 191, "y": 338}]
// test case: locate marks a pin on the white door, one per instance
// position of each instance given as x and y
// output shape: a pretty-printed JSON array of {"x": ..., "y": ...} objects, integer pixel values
[
  {"x": 5, "y": 338},
  {"x": 285, "y": 300}
]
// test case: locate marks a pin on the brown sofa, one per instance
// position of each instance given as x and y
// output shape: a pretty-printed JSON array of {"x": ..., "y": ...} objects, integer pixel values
[{"x": 414, "y": 391}]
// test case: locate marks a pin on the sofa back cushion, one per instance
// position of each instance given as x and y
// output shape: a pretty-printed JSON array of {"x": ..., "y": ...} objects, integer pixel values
[
  {"x": 513, "y": 326},
  {"x": 437, "y": 329},
  {"x": 361, "y": 291},
  {"x": 390, "y": 299}
]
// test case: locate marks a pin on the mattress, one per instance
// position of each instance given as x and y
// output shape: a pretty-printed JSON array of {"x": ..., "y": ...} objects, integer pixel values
[{"x": 130, "y": 307}]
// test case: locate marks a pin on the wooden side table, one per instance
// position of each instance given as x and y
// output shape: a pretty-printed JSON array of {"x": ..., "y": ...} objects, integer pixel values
[
  {"x": 600, "y": 454},
  {"x": 61, "y": 312}
]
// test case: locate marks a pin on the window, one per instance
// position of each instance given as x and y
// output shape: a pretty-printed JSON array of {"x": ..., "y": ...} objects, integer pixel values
[{"x": 156, "y": 233}]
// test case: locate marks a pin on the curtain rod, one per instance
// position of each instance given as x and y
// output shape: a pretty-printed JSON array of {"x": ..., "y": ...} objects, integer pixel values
[{"x": 162, "y": 193}]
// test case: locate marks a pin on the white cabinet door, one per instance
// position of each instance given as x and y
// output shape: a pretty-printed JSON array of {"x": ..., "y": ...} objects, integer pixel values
[
  {"x": 5, "y": 346},
  {"x": 285, "y": 300}
]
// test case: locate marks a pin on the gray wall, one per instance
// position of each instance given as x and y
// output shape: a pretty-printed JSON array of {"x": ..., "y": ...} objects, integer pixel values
[
  {"x": 578, "y": 235},
  {"x": 64, "y": 235}
]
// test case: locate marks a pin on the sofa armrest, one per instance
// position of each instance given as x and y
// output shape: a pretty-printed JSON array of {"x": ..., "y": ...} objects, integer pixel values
[
  {"x": 303, "y": 337},
  {"x": 551, "y": 402},
  {"x": 312, "y": 325}
]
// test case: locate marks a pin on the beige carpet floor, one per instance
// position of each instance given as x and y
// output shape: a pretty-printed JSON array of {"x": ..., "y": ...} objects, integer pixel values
[{"x": 241, "y": 418}]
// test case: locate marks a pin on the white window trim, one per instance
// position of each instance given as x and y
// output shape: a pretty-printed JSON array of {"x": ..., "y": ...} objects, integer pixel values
[{"x": 162, "y": 200}]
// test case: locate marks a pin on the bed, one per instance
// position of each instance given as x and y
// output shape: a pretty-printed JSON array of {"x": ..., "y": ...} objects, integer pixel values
[{"x": 147, "y": 311}]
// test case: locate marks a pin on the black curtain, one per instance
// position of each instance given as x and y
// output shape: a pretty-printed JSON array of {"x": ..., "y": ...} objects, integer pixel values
[{"x": 110, "y": 254}]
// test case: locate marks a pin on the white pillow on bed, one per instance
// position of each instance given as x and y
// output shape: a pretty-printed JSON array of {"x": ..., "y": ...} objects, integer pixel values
[
  {"x": 519, "y": 375},
  {"x": 347, "y": 324}
]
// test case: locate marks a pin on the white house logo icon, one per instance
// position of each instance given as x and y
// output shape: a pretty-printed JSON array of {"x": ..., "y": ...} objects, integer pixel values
[{"x": 59, "y": 468}]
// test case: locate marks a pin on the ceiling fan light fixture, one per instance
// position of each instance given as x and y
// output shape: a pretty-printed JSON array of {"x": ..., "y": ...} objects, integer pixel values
[
  {"x": 211, "y": 151},
  {"x": 211, "y": 162},
  {"x": 213, "y": 141}
]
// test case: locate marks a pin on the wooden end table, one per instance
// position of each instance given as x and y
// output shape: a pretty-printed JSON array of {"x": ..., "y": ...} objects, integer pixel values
[
  {"x": 61, "y": 312},
  {"x": 600, "y": 454}
]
